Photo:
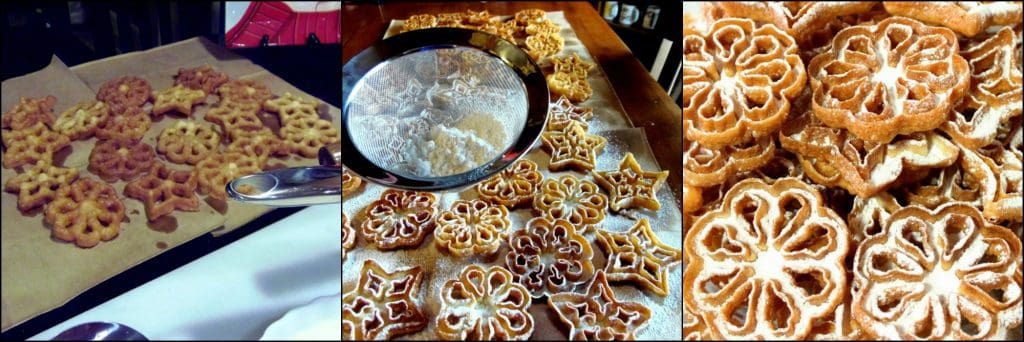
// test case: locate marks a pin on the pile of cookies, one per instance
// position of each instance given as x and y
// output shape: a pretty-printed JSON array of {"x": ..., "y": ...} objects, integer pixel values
[
  {"x": 86, "y": 210},
  {"x": 853, "y": 171},
  {"x": 550, "y": 258}
]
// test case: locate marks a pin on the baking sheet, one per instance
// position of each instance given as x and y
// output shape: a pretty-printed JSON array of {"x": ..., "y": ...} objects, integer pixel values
[
  {"x": 39, "y": 273},
  {"x": 610, "y": 122}
]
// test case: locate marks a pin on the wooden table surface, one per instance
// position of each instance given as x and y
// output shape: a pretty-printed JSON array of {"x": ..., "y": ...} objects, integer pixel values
[{"x": 646, "y": 103}]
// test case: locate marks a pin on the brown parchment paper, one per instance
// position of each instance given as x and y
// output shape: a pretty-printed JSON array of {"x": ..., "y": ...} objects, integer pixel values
[
  {"x": 610, "y": 122},
  {"x": 40, "y": 273}
]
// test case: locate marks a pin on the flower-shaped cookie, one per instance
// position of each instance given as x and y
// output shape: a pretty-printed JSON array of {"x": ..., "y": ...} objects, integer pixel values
[
  {"x": 572, "y": 147},
  {"x": 896, "y": 77},
  {"x": 939, "y": 274},
  {"x": 565, "y": 84},
  {"x": 705, "y": 167},
  {"x": 261, "y": 144},
  {"x": 767, "y": 263},
  {"x": 484, "y": 305},
  {"x": 203, "y": 77},
  {"x": 738, "y": 82},
  {"x": 383, "y": 305},
  {"x": 995, "y": 93},
  {"x": 869, "y": 215},
  {"x": 30, "y": 145},
  {"x": 164, "y": 190},
  {"x": 81, "y": 120},
  {"x": 694, "y": 328},
  {"x": 965, "y": 17},
  {"x": 512, "y": 187},
  {"x": 999, "y": 170},
  {"x": 38, "y": 185},
  {"x": 188, "y": 142},
  {"x": 28, "y": 111},
  {"x": 123, "y": 92},
  {"x": 215, "y": 171},
  {"x": 573, "y": 65},
  {"x": 244, "y": 91},
  {"x": 800, "y": 19},
  {"x": 578, "y": 201},
  {"x": 630, "y": 186},
  {"x": 639, "y": 256},
  {"x": 229, "y": 110},
  {"x": 834, "y": 157},
  {"x": 305, "y": 135},
  {"x": 400, "y": 219},
  {"x": 289, "y": 107},
  {"x": 472, "y": 228},
  {"x": 131, "y": 123},
  {"x": 349, "y": 183},
  {"x": 549, "y": 257},
  {"x": 597, "y": 315},
  {"x": 120, "y": 159},
  {"x": 85, "y": 212},
  {"x": 177, "y": 99},
  {"x": 563, "y": 112},
  {"x": 348, "y": 235},
  {"x": 540, "y": 46}
]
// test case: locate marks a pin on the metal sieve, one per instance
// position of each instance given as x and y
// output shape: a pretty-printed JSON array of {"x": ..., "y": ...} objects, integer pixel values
[{"x": 440, "y": 108}]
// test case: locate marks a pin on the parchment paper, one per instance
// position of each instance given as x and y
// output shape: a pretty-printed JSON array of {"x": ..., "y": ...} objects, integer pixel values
[
  {"x": 40, "y": 273},
  {"x": 610, "y": 122}
]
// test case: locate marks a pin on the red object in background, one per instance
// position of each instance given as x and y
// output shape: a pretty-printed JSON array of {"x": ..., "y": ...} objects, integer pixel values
[{"x": 283, "y": 26}]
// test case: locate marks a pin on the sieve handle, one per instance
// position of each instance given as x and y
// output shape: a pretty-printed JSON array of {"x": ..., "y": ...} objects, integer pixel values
[{"x": 288, "y": 187}]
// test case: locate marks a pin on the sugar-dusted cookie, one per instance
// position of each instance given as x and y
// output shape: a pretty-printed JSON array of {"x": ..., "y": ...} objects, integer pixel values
[
  {"x": 512, "y": 187},
  {"x": 597, "y": 315},
  {"x": 383, "y": 305},
  {"x": 638, "y": 255},
  {"x": 578, "y": 201},
  {"x": 472, "y": 227},
  {"x": 484, "y": 305},
  {"x": 630, "y": 186},
  {"x": 549, "y": 257},
  {"x": 399, "y": 219},
  {"x": 572, "y": 147},
  {"x": 563, "y": 112}
]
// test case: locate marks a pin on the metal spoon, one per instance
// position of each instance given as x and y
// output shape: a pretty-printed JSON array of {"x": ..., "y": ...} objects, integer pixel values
[{"x": 100, "y": 331}]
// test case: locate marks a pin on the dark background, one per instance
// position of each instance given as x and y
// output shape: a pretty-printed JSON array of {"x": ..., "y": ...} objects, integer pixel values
[{"x": 82, "y": 31}]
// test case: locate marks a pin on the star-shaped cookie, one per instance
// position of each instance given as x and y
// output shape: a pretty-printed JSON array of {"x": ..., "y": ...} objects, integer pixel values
[
  {"x": 630, "y": 186},
  {"x": 38, "y": 185},
  {"x": 563, "y": 113},
  {"x": 639, "y": 256},
  {"x": 27, "y": 146},
  {"x": 572, "y": 147},
  {"x": 597, "y": 315},
  {"x": 178, "y": 98},
  {"x": 382, "y": 306},
  {"x": 164, "y": 190}
]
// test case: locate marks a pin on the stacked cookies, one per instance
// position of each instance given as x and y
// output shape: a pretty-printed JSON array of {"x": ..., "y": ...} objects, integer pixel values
[{"x": 885, "y": 203}]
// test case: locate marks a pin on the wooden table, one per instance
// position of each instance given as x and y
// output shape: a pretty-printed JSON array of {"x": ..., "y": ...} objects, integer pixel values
[{"x": 646, "y": 103}]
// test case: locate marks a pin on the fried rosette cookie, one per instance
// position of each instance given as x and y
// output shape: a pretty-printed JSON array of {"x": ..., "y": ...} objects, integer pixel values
[
  {"x": 738, "y": 82},
  {"x": 939, "y": 274},
  {"x": 38, "y": 185},
  {"x": 800, "y": 19},
  {"x": 261, "y": 144},
  {"x": 178, "y": 99},
  {"x": 244, "y": 91},
  {"x": 965, "y": 17},
  {"x": 639, "y": 256},
  {"x": 85, "y": 212},
  {"x": 995, "y": 92},
  {"x": 630, "y": 186},
  {"x": 163, "y": 190},
  {"x": 120, "y": 159},
  {"x": 543, "y": 45},
  {"x": 549, "y": 257},
  {"x": 568, "y": 198},
  {"x": 513, "y": 187},
  {"x": 999, "y": 172},
  {"x": 572, "y": 147},
  {"x": 348, "y": 235},
  {"x": 562, "y": 113},
  {"x": 123, "y": 92},
  {"x": 837, "y": 158},
  {"x": 400, "y": 219},
  {"x": 290, "y": 107},
  {"x": 202, "y": 77},
  {"x": 705, "y": 167},
  {"x": 131, "y": 123},
  {"x": 471, "y": 228},
  {"x": 349, "y": 183},
  {"x": 566, "y": 85},
  {"x": 897, "y": 77},
  {"x": 305, "y": 136},
  {"x": 597, "y": 315},
  {"x": 30, "y": 145},
  {"x": 188, "y": 142},
  {"x": 694, "y": 328},
  {"x": 81, "y": 120},
  {"x": 384, "y": 305},
  {"x": 215, "y": 171},
  {"x": 28, "y": 111},
  {"x": 768, "y": 262},
  {"x": 485, "y": 305}
]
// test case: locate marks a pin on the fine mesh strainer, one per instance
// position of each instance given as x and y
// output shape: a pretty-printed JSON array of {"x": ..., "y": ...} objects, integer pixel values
[{"x": 441, "y": 108}]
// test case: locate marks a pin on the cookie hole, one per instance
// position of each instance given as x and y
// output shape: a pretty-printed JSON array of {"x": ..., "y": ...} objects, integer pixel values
[
  {"x": 914, "y": 233},
  {"x": 882, "y": 262},
  {"x": 813, "y": 241},
  {"x": 968, "y": 327},
  {"x": 812, "y": 283},
  {"x": 372, "y": 324},
  {"x": 890, "y": 301},
  {"x": 991, "y": 256},
  {"x": 716, "y": 240},
  {"x": 738, "y": 317},
  {"x": 778, "y": 312},
  {"x": 998, "y": 294},
  {"x": 791, "y": 206},
  {"x": 924, "y": 327},
  {"x": 968, "y": 114},
  {"x": 718, "y": 282},
  {"x": 957, "y": 228}
]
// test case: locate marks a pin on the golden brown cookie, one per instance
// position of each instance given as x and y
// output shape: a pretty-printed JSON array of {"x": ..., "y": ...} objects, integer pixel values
[
  {"x": 81, "y": 120},
  {"x": 202, "y": 77},
  {"x": 578, "y": 201},
  {"x": 400, "y": 219},
  {"x": 289, "y": 107},
  {"x": 131, "y": 123},
  {"x": 638, "y": 255},
  {"x": 188, "y": 142},
  {"x": 123, "y": 92},
  {"x": 27, "y": 146},
  {"x": 383, "y": 305},
  {"x": 472, "y": 228},
  {"x": 306, "y": 135},
  {"x": 177, "y": 99},
  {"x": 484, "y": 305},
  {"x": 28, "y": 111},
  {"x": 216, "y": 170},
  {"x": 563, "y": 112},
  {"x": 262, "y": 145},
  {"x": 542, "y": 45},
  {"x": 572, "y": 147},
  {"x": 163, "y": 190},
  {"x": 244, "y": 91},
  {"x": 565, "y": 84},
  {"x": 85, "y": 212},
  {"x": 549, "y": 256},
  {"x": 120, "y": 159},
  {"x": 597, "y": 314},
  {"x": 512, "y": 187},
  {"x": 630, "y": 186},
  {"x": 38, "y": 185}
]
